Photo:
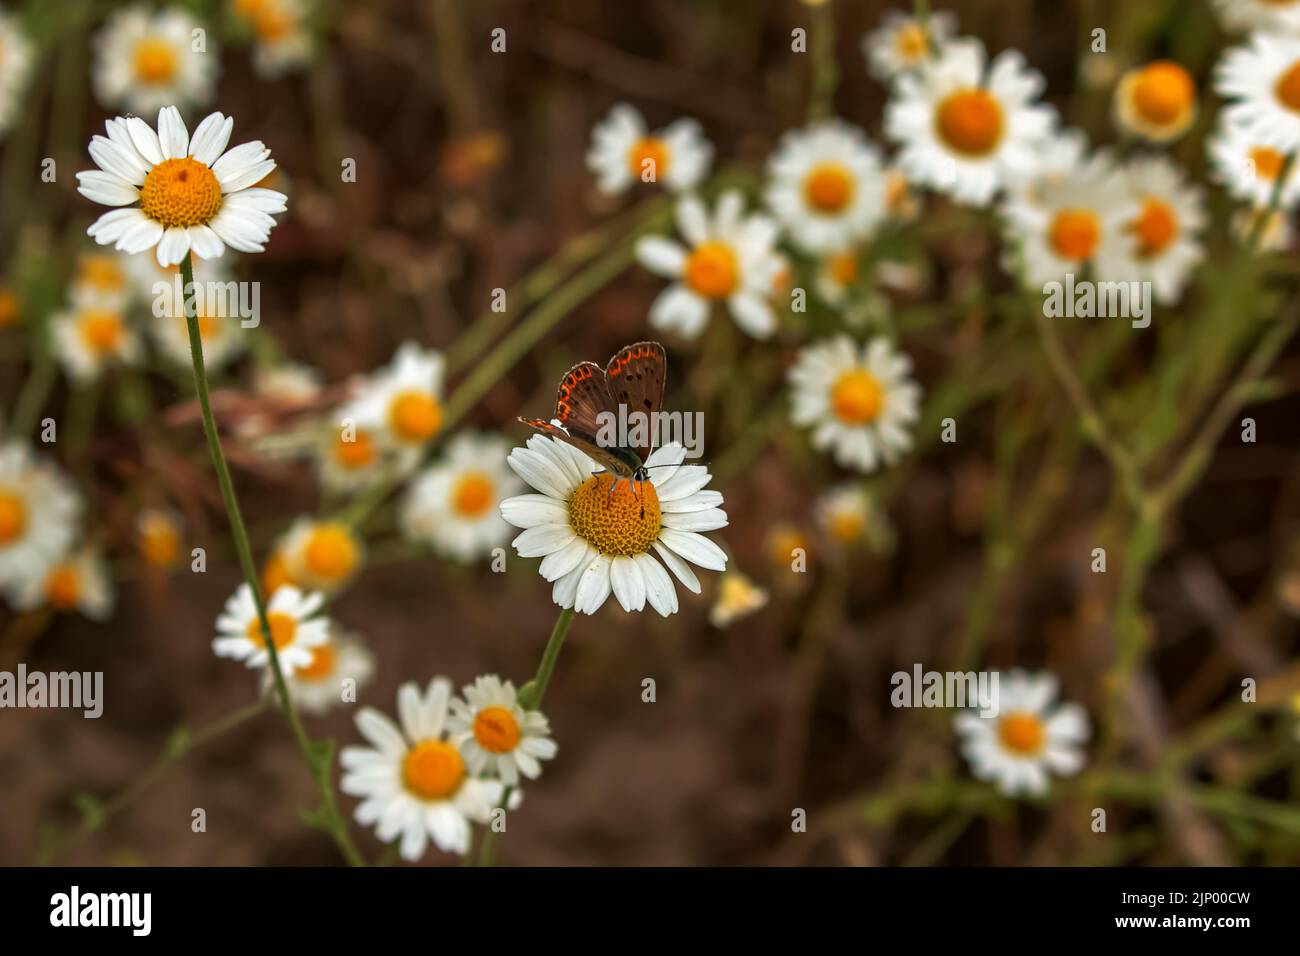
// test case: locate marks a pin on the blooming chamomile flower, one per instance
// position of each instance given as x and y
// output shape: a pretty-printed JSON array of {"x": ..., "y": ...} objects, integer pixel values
[
  {"x": 146, "y": 60},
  {"x": 320, "y": 555},
  {"x": 496, "y": 736},
  {"x": 845, "y": 513},
  {"x": 901, "y": 43},
  {"x": 38, "y": 514},
  {"x": 1169, "y": 214},
  {"x": 837, "y": 274},
  {"x": 78, "y": 581},
  {"x": 965, "y": 130},
  {"x": 1249, "y": 168},
  {"x": 102, "y": 280},
  {"x": 222, "y": 338},
  {"x": 1262, "y": 79},
  {"x": 737, "y": 597},
  {"x": 455, "y": 505},
  {"x": 623, "y": 152},
  {"x": 825, "y": 186},
  {"x": 402, "y": 402},
  {"x": 1277, "y": 16},
  {"x": 1028, "y": 737},
  {"x": 281, "y": 41},
  {"x": 350, "y": 458},
  {"x": 1060, "y": 157},
  {"x": 15, "y": 62},
  {"x": 321, "y": 685},
  {"x": 594, "y": 539},
  {"x": 289, "y": 614},
  {"x": 193, "y": 194},
  {"x": 158, "y": 537},
  {"x": 730, "y": 259},
  {"x": 1156, "y": 101},
  {"x": 412, "y": 780},
  {"x": 858, "y": 402},
  {"x": 89, "y": 340}
]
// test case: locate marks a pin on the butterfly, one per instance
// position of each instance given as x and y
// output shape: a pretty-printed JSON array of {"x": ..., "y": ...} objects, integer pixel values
[{"x": 634, "y": 379}]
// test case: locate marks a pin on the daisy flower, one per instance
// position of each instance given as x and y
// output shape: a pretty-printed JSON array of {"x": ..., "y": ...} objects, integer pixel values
[
  {"x": 281, "y": 41},
  {"x": 859, "y": 402},
  {"x": 624, "y": 153},
  {"x": 318, "y": 686},
  {"x": 594, "y": 540},
  {"x": 89, "y": 340},
  {"x": 1060, "y": 157},
  {"x": 102, "y": 280},
  {"x": 1169, "y": 214},
  {"x": 77, "y": 582},
  {"x": 294, "y": 629},
  {"x": 1248, "y": 167},
  {"x": 455, "y": 505},
  {"x": 320, "y": 555},
  {"x": 221, "y": 338},
  {"x": 402, "y": 402},
  {"x": 412, "y": 780},
  {"x": 837, "y": 274},
  {"x": 1028, "y": 737},
  {"x": 350, "y": 459},
  {"x": 901, "y": 44},
  {"x": 496, "y": 736},
  {"x": 738, "y": 597},
  {"x": 1276, "y": 16},
  {"x": 845, "y": 513},
  {"x": 965, "y": 130},
  {"x": 145, "y": 60},
  {"x": 730, "y": 259},
  {"x": 158, "y": 537},
  {"x": 38, "y": 514},
  {"x": 825, "y": 186},
  {"x": 192, "y": 194},
  {"x": 1262, "y": 79},
  {"x": 15, "y": 61},
  {"x": 1156, "y": 101}
]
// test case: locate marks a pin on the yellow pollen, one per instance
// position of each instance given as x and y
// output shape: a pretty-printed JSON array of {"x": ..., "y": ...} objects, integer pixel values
[
  {"x": 331, "y": 552},
  {"x": 433, "y": 769},
  {"x": 970, "y": 122},
  {"x": 1075, "y": 234},
  {"x": 1156, "y": 227},
  {"x": 496, "y": 730},
  {"x": 783, "y": 541},
  {"x": 711, "y": 270},
  {"x": 101, "y": 331},
  {"x": 284, "y": 628},
  {"x": 472, "y": 495},
  {"x": 180, "y": 192},
  {"x": 358, "y": 453},
  {"x": 323, "y": 661},
  {"x": 13, "y": 516},
  {"x": 159, "y": 542},
  {"x": 63, "y": 588},
  {"x": 154, "y": 61},
  {"x": 844, "y": 268},
  {"x": 102, "y": 273},
  {"x": 857, "y": 397},
  {"x": 624, "y": 522},
  {"x": 910, "y": 41},
  {"x": 1022, "y": 733},
  {"x": 1268, "y": 162},
  {"x": 828, "y": 187},
  {"x": 650, "y": 148},
  {"x": 415, "y": 416},
  {"x": 9, "y": 311},
  {"x": 1163, "y": 92},
  {"x": 1288, "y": 88}
]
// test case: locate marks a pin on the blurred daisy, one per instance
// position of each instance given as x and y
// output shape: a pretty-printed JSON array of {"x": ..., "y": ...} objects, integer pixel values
[
  {"x": 412, "y": 780},
  {"x": 38, "y": 515},
  {"x": 1169, "y": 214},
  {"x": 901, "y": 43},
  {"x": 89, "y": 340},
  {"x": 845, "y": 513},
  {"x": 1156, "y": 101},
  {"x": 496, "y": 736},
  {"x": 221, "y": 338},
  {"x": 15, "y": 63},
  {"x": 294, "y": 628},
  {"x": 965, "y": 130},
  {"x": 281, "y": 41},
  {"x": 859, "y": 402},
  {"x": 320, "y": 685},
  {"x": 786, "y": 543},
  {"x": 624, "y": 153},
  {"x": 901, "y": 203},
  {"x": 837, "y": 274},
  {"x": 730, "y": 259},
  {"x": 147, "y": 60},
  {"x": 1277, "y": 16},
  {"x": 11, "y": 308},
  {"x": 350, "y": 458},
  {"x": 288, "y": 382},
  {"x": 1262, "y": 81},
  {"x": 455, "y": 505},
  {"x": 1249, "y": 168},
  {"x": 403, "y": 401},
  {"x": 1028, "y": 737},
  {"x": 158, "y": 537},
  {"x": 737, "y": 597},
  {"x": 595, "y": 540},
  {"x": 825, "y": 186},
  {"x": 77, "y": 582},
  {"x": 192, "y": 193},
  {"x": 320, "y": 555},
  {"x": 102, "y": 281},
  {"x": 1060, "y": 158}
]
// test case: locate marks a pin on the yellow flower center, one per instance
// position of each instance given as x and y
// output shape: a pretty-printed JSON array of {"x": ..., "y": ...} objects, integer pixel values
[
  {"x": 1022, "y": 733},
  {"x": 1163, "y": 92},
  {"x": 159, "y": 542},
  {"x": 284, "y": 628},
  {"x": 323, "y": 661},
  {"x": 101, "y": 331},
  {"x": 1288, "y": 88},
  {"x": 63, "y": 588},
  {"x": 783, "y": 542},
  {"x": 472, "y": 495},
  {"x": 154, "y": 61},
  {"x": 275, "y": 574},
  {"x": 711, "y": 270},
  {"x": 1075, "y": 234},
  {"x": 433, "y": 769},
  {"x": 857, "y": 397},
  {"x": 180, "y": 192},
  {"x": 8, "y": 308},
  {"x": 1268, "y": 162},
  {"x": 102, "y": 273},
  {"x": 496, "y": 730},
  {"x": 970, "y": 122},
  {"x": 844, "y": 268},
  {"x": 1156, "y": 227},
  {"x": 624, "y": 522},
  {"x": 357, "y": 453},
  {"x": 272, "y": 23},
  {"x": 828, "y": 187},
  {"x": 415, "y": 416},
  {"x": 331, "y": 552},
  {"x": 13, "y": 516},
  {"x": 650, "y": 148},
  {"x": 910, "y": 42},
  {"x": 847, "y": 526}
]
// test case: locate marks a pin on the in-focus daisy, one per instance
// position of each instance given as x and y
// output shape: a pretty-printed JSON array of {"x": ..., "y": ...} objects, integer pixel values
[
  {"x": 158, "y": 537},
  {"x": 412, "y": 779},
  {"x": 38, "y": 515},
  {"x": 1156, "y": 101},
  {"x": 79, "y": 581},
  {"x": 965, "y": 130},
  {"x": 594, "y": 540},
  {"x": 858, "y": 401},
  {"x": 729, "y": 259},
  {"x": 1262, "y": 79},
  {"x": 403, "y": 401},
  {"x": 192, "y": 193},
  {"x": 825, "y": 186},
  {"x": 294, "y": 628},
  {"x": 1249, "y": 168},
  {"x": 103, "y": 281},
  {"x": 89, "y": 340},
  {"x": 623, "y": 152},
  {"x": 737, "y": 597},
  {"x": 15, "y": 62},
  {"x": 1027, "y": 739},
  {"x": 1169, "y": 215},
  {"x": 147, "y": 60},
  {"x": 1277, "y": 16},
  {"x": 320, "y": 685},
  {"x": 496, "y": 736},
  {"x": 320, "y": 555},
  {"x": 901, "y": 43},
  {"x": 281, "y": 40},
  {"x": 455, "y": 505}
]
